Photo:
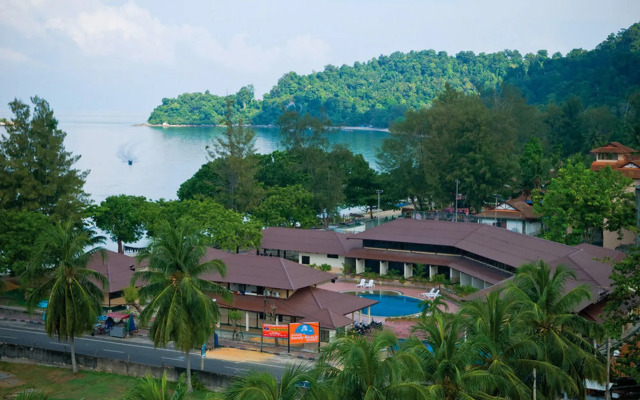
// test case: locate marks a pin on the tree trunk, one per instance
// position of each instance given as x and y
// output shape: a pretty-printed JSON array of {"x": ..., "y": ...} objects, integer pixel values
[
  {"x": 189, "y": 386},
  {"x": 120, "y": 250},
  {"x": 72, "y": 348}
]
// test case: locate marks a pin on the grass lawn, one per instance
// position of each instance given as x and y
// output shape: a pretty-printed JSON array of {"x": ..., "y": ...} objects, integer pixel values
[{"x": 61, "y": 384}]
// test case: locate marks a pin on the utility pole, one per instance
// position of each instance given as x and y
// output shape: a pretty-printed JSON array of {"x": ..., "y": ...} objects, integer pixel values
[
  {"x": 535, "y": 384},
  {"x": 456, "y": 212},
  {"x": 378, "y": 192},
  {"x": 607, "y": 393}
]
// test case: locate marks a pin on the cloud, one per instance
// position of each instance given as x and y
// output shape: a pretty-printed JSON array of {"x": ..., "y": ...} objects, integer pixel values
[{"x": 12, "y": 56}]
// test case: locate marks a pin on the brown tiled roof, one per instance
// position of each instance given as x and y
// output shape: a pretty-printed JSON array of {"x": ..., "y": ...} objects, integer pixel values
[
  {"x": 523, "y": 211},
  {"x": 307, "y": 303},
  {"x": 271, "y": 272},
  {"x": 116, "y": 267},
  {"x": 307, "y": 240},
  {"x": 470, "y": 267},
  {"x": 495, "y": 243},
  {"x": 633, "y": 173},
  {"x": 614, "y": 147}
]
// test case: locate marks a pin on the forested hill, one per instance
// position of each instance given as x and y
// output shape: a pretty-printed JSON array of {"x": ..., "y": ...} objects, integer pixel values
[{"x": 379, "y": 91}]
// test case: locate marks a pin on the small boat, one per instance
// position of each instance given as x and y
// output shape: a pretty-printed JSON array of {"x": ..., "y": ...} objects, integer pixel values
[{"x": 130, "y": 162}]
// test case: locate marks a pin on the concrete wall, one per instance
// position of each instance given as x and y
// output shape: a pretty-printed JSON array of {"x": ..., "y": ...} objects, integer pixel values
[{"x": 10, "y": 352}]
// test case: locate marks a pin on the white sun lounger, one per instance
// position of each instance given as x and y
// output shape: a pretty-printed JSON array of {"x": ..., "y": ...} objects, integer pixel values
[
  {"x": 433, "y": 295},
  {"x": 428, "y": 294},
  {"x": 362, "y": 283},
  {"x": 370, "y": 284}
]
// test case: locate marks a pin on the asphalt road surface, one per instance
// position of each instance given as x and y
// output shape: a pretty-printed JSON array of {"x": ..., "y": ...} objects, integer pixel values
[{"x": 133, "y": 351}]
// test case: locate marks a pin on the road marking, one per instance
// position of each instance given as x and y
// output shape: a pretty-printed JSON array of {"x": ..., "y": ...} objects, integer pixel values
[
  {"x": 8, "y": 337},
  {"x": 266, "y": 365},
  {"x": 114, "y": 351},
  {"x": 58, "y": 343},
  {"x": 170, "y": 358}
]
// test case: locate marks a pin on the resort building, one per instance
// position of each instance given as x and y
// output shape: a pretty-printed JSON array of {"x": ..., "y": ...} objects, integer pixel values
[
  {"x": 118, "y": 268},
  {"x": 281, "y": 290},
  {"x": 276, "y": 290},
  {"x": 515, "y": 215},
  {"x": 625, "y": 160},
  {"x": 307, "y": 246},
  {"x": 472, "y": 254}
]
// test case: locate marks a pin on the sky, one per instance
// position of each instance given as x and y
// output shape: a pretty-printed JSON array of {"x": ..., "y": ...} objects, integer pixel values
[{"x": 124, "y": 56}]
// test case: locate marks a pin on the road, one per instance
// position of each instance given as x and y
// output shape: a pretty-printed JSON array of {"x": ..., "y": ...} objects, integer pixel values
[{"x": 136, "y": 351}]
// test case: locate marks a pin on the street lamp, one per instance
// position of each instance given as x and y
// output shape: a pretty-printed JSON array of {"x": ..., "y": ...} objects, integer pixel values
[{"x": 378, "y": 192}]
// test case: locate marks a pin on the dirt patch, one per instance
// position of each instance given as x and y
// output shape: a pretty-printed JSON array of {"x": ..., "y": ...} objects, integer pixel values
[
  {"x": 237, "y": 354},
  {"x": 8, "y": 380}
]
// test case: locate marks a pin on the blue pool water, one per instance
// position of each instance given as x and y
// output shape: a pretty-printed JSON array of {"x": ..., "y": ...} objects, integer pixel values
[{"x": 390, "y": 304}]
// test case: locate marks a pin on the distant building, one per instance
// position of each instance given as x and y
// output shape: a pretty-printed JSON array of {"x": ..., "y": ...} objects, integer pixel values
[
  {"x": 515, "y": 215},
  {"x": 118, "y": 268},
  {"x": 623, "y": 159}
]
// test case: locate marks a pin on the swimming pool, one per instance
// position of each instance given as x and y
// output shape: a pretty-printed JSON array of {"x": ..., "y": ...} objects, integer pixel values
[{"x": 390, "y": 303}]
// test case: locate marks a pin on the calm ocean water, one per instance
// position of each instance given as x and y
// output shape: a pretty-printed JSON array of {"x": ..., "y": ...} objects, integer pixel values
[{"x": 163, "y": 157}]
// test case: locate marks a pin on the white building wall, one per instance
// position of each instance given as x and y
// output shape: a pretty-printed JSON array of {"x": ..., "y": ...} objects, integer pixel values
[
  {"x": 319, "y": 259},
  {"x": 532, "y": 228},
  {"x": 515, "y": 226}
]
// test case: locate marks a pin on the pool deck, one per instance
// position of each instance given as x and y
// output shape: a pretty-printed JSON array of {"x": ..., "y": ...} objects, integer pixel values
[{"x": 400, "y": 326}]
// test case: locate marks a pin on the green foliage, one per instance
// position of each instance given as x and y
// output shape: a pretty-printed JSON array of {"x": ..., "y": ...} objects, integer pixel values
[
  {"x": 289, "y": 206},
  {"x": 203, "y": 108},
  {"x": 458, "y": 138},
  {"x": 222, "y": 228},
  {"x": 149, "y": 388},
  {"x": 624, "y": 297},
  {"x": 18, "y": 230},
  {"x": 235, "y": 315},
  {"x": 121, "y": 216},
  {"x": 585, "y": 202},
  {"x": 258, "y": 385},
  {"x": 180, "y": 296},
  {"x": 58, "y": 271},
  {"x": 36, "y": 172},
  {"x": 535, "y": 167},
  {"x": 31, "y": 395}
]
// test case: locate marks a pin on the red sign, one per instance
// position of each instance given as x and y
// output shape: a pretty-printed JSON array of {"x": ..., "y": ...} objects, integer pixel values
[
  {"x": 304, "y": 333},
  {"x": 275, "y": 331}
]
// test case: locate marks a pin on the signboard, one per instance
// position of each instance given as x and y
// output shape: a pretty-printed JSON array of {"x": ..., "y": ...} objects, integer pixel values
[
  {"x": 304, "y": 333},
  {"x": 275, "y": 331}
]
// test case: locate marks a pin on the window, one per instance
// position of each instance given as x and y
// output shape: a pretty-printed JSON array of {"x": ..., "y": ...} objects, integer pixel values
[
  {"x": 332, "y": 256},
  {"x": 305, "y": 260}
]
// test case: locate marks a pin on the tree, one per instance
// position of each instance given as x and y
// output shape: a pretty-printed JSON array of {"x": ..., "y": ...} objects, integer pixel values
[
  {"x": 59, "y": 272},
  {"x": 299, "y": 131},
  {"x": 149, "y": 388},
  {"x": 359, "y": 368},
  {"x": 458, "y": 138},
  {"x": 181, "y": 306},
  {"x": 451, "y": 364},
  {"x": 297, "y": 382},
  {"x": 18, "y": 230},
  {"x": 289, "y": 206},
  {"x": 122, "y": 217},
  {"x": 546, "y": 307},
  {"x": 36, "y": 172},
  {"x": 236, "y": 167},
  {"x": 535, "y": 167},
  {"x": 509, "y": 351},
  {"x": 623, "y": 298},
  {"x": 585, "y": 202}
]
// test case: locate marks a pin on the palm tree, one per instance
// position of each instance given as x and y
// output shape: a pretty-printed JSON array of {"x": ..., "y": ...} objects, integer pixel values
[
  {"x": 181, "y": 306},
  {"x": 508, "y": 350},
  {"x": 297, "y": 382},
  {"x": 31, "y": 395},
  {"x": 547, "y": 308},
  {"x": 360, "y": 367},
  {"x": 149, "y": 388},
  {"x": 59, "y": 272},
  {"x": 451, "y": 364}
]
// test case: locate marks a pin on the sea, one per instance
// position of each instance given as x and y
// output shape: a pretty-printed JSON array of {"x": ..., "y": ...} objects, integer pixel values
[{"x": 162, "y": 158}]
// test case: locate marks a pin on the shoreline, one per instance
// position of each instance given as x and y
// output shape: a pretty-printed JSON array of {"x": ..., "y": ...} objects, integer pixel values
[{"x": 338, "y": 128}]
